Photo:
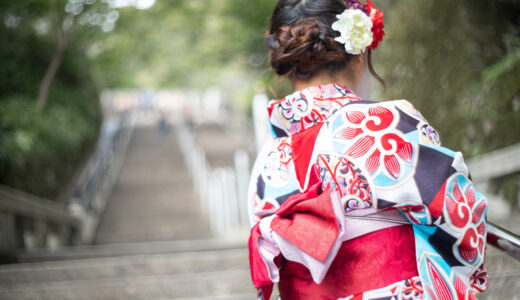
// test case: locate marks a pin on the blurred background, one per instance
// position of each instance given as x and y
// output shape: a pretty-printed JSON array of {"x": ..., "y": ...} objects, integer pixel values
[{"x": 128, "y": 129}]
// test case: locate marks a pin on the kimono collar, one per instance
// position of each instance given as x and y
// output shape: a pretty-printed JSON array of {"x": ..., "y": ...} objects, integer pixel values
[{"x": 306, "y": 108}]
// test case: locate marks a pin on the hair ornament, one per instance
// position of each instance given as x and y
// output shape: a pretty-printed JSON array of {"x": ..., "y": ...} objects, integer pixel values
[
  {"x": 360, "y": 26},
  {"x": 271, "y": 43}
]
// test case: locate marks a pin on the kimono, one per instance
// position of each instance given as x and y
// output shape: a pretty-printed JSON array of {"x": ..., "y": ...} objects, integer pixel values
[{"x": 356, "y": 199}]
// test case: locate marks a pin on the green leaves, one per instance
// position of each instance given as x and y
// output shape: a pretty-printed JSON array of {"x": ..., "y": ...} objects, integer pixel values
[
  {"x": 186, "y": 44},
  {"x": 455, "y": 64},
  {"x": 460, "y": 65},
  {"x": 40, "y": 150},
  {"x": 55, "y": 139}
]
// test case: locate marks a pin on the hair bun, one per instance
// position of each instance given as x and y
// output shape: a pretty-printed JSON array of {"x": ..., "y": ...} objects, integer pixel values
[{"x": 302, "y": 49}]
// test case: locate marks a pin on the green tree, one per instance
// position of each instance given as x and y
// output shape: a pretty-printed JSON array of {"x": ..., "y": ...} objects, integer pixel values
[
  {"x": 459, "y": 65},
  {"x": 41, "y": 149},
  {"x": 66, "y": 17}
]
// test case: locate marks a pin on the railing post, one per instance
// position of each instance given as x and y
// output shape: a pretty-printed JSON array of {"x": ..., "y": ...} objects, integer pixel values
[
  {"x": 212, "y": 202},
  {"x": 40, "y": 233},
  {"x": 218, "y": 212},
  {"x": 260, "y": 119},
  {"x": 241, "y": 159},
  {"x": 232, "y": 199},
  {"x": 7, "y": 233},
  {"x": 19, "y": 232}
]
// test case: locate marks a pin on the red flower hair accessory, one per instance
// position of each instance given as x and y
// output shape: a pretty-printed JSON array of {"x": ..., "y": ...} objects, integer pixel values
[{"x": 376, "y": 15}]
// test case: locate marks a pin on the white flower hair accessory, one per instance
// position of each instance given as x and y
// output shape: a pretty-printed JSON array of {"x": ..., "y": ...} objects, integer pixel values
[{"x": 355, "y": 29}]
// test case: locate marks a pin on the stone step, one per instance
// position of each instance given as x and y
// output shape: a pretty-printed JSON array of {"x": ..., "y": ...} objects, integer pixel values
[
  {"x": 116, "y": 277},
  {"x": 187, "y": 263},
  {"x": 502, "y": 264},
  {"x": 248, "y": 296},
  {"x": 127, "y": 249},
  {"x": 504, "y": 276},
  {"x": 224, "y": 284},
  {"x": 200, "y": 274},
  {"x": 502, "y": 287}
]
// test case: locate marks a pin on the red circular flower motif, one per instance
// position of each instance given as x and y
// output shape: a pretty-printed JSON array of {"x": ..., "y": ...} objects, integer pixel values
[
  {"x": 464, "y": 212},
  {"x": 385, "y": 147}
]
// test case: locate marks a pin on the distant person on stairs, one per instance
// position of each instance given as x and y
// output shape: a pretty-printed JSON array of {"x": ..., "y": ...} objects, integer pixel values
[{"x": 163, "y": 127}]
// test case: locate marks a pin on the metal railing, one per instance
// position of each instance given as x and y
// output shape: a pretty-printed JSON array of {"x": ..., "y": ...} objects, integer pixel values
[
  {"x": 99, "y": 176},
  {"x": 28, "y": 222},
  {"x": 504, "y": 240},
  {"x": 222, "y": 191},
  {"x": 495, "y": 164}
]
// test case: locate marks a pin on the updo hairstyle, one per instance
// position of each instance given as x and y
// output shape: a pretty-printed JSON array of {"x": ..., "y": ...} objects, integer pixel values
[{"x": 301, "y": 40}]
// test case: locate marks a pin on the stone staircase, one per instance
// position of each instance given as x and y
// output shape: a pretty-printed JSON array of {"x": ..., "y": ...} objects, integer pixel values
[
  {"x": 152, "y": 243},
  {"x": 201, "y": 269},
  {"x": 221, "y": 273}
]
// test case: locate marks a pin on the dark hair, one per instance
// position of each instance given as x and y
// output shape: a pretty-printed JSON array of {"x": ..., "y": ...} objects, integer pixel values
[{"x": 301, "y": 40}]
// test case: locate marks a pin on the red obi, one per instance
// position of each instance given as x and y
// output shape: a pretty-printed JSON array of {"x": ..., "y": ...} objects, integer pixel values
[{"x": 369, "y": 262}]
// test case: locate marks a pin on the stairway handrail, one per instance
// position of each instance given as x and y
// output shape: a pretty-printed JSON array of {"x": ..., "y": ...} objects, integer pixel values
[
  {"x": 503, "y": 240},
  {"x": 30, "y": 206},
  {"x": 28, "y": 221},
  {"x": 495, "y": 163}
]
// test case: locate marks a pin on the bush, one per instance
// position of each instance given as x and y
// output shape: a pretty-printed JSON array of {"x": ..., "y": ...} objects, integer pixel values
[{"x": 41, "y": 150}]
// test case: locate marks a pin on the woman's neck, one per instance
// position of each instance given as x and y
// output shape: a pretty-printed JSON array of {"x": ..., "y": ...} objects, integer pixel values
[
  {"x": 350, "y": 76},
  {"x": 322, "y": 78}
]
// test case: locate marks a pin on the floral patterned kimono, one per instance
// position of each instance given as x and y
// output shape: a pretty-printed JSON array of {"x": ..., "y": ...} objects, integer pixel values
[{"x": 357, "y": 199}]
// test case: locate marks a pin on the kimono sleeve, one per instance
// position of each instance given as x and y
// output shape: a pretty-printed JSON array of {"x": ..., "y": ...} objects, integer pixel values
[
  {"x": 272, "y": 179},
  {"x": 401, "y": 156},
  {"x": 408, "y": 169}
]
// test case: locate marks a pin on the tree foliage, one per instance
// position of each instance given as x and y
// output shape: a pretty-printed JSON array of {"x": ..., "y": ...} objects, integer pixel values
[
  {"x": 186, "y": 43},
  {"x": 459, "y": 66},
  {"x": 41, "y": 149},
  {"x": 458, "y": 63}
]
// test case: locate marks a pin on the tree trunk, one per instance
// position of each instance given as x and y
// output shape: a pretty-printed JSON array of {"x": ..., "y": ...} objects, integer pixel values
[{"x": 52, "y": 69}]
